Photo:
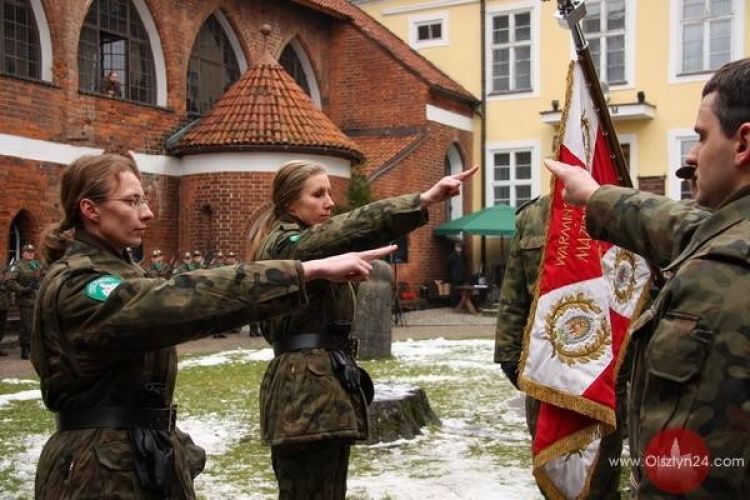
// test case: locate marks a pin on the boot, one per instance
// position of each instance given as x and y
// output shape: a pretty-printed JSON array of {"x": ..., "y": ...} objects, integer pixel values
[{"x": 25, "y": 352}]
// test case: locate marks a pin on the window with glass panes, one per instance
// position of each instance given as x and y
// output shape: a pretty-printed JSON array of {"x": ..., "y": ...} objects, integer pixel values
[
  {"x": 604, "y": 26},
  {"x": 511, "y": 52},
  {"x": 686, "y": 190},
  {"x": 290, "y": 61},
  {"x": 706, "y": 34},
  {"x": 213, "y": 67},
  {"x": 511, "y": 177},
  {"x": 114, "y": 40},
  {"x": 429, "y": 30},
  {"x": 19, "y": 39}
]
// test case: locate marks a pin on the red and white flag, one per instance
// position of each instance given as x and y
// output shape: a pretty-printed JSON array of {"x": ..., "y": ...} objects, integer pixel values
[{"x": 587, "y": 293}]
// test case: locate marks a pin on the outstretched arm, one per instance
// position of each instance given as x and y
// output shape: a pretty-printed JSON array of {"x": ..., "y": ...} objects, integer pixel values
[{"x": 447, "y": 187}]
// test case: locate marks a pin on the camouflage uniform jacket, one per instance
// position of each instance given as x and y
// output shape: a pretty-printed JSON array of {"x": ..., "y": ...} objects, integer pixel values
[
  {"x": 519, "y": 281},
  {"x": 24, "y": 279},
  {"x": 692, "y": 362},
  {"x": 158, "y": 270},
  {"x": 301, "y": 399},
  {"x": 4, "y": 291},
  {"x": 104, "y": 350}
]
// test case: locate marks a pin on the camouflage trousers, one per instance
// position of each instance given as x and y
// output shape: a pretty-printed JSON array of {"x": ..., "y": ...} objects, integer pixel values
[
  {"x": 605, "y": 481},
  {"x": 314, "y": 471}
]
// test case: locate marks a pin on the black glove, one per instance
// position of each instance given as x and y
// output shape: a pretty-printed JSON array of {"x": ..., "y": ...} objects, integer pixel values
[
  {"x": 510, "y": 368},
  {"x": 345, "y": 370}
]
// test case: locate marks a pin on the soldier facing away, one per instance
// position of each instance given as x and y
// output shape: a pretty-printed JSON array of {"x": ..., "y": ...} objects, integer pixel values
[
  {"x": 24, "y": 279},
  {"x": 104, "y": 337},
  {"x": 691, "y": 371}
]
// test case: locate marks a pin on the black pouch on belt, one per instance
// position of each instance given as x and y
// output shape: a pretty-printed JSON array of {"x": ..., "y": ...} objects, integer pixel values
[
  {"x": 153, "y": 456},
  {"x": 153, "y": 453},
  {"x": 351, "y": 376}
]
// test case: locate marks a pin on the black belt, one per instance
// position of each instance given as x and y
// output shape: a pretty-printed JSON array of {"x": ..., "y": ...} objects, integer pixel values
[
  {"x": 117, "y": 417},
  {"x": 309, "y": 341}
]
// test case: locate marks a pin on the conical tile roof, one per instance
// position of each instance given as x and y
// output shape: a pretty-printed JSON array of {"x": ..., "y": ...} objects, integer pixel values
[{"x": 265, "y": 110}]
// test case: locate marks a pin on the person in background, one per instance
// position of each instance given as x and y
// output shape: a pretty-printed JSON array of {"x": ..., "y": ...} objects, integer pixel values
[
  {"x": 197, "y": 261},
  {"x": 111, "y": 85},
  {"x": 185, "y": 265},
  {"x": 158, "y": 268},
  {"x": 218, "y": 259},
  {"x": 231, "y": 259},
  {"x": 458, "y": 273},
  {"x": 5, "y": 302},
  {"x": 313, "y": 400},
  {"x": 104, "y": 337},
  {"x": 24, "y": 279}
]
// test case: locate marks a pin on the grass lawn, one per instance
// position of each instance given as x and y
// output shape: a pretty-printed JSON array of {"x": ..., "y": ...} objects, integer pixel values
[{"x": 480, "y": 451}]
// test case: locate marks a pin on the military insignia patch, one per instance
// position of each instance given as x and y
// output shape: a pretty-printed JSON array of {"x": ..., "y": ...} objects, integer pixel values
[
  {"x": 100, "y": 288},
  {"x": 576, "y": 330}
]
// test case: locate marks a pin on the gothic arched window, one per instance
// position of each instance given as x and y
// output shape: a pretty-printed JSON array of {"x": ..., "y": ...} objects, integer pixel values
[
  {"x": 290, "y": 61},
  {"x": 213, "y": 67},
  {"x": 19, "y": 39},
  {"x": 114, "y": 53}
]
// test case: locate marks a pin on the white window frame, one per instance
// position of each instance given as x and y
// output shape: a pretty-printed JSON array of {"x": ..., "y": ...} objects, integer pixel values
[
  {"x": 675, "y": 37},
  {"x": 536, "y": 38},
  {"x": 415, "y": 22},
  {"x": 534, "y": 147},
  {"x": 675, "y": 138},
  {"x": 630, "y": 46}
]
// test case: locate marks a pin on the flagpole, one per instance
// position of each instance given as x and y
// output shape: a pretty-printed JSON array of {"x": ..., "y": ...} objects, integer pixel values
[{"x": 572, "y": 12}]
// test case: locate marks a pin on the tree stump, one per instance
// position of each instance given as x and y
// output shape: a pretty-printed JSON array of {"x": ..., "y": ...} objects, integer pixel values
[
  {"x": 398, "y": 412},
  {"x": 372, "y": 319}
]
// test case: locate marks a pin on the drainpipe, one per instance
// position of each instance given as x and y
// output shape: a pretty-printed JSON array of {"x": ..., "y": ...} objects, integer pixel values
[{"x": 483, "y": 122}]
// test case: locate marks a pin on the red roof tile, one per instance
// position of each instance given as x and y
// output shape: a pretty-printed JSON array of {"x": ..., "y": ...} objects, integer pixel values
[
  {"x": 266, "y": 110},
  {"x": 401, "y": 51}
]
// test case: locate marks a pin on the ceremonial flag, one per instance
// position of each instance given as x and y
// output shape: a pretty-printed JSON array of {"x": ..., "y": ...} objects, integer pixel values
[{"x": 587, "y": 293}]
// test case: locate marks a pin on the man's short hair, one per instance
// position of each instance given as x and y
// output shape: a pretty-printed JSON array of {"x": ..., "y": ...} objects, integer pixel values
[{"x": 732, "y": 86}]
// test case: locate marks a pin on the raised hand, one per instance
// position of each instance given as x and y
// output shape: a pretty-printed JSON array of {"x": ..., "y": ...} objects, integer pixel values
[
  {"x": 447, "y": 187},
  {"x": 352, "y": 266},
  {"x": 579, "y": 185}
]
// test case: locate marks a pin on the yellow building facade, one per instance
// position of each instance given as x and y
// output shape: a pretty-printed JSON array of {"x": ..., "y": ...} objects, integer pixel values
[{"x": 653, "y": 55}]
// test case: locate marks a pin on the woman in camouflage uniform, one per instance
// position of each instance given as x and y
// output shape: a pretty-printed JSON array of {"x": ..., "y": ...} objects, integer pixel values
[
  {"x": 104, "y": 336},
  {"x": 312, "y": 404}
]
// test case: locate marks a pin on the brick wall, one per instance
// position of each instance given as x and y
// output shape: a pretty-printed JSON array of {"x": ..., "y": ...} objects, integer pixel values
[{"x": 361, "y": 85}]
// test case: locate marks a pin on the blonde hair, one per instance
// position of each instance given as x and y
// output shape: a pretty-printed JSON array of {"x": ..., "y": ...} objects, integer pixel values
[
  {"x": 286, "y": 189},
  {"x": 91, "y": 177}
]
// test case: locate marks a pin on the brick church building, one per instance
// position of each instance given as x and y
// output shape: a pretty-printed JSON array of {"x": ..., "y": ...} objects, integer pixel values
[{"x": 211, "y": 97}]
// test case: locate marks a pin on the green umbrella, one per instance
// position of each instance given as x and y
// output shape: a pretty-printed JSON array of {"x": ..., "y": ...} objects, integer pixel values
[{"x": 498, "y": 220}]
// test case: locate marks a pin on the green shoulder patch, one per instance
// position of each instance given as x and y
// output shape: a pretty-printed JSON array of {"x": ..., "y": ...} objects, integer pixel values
[
  {"x": 293, "y": 238},
  {"x": 100, "y": 288}
]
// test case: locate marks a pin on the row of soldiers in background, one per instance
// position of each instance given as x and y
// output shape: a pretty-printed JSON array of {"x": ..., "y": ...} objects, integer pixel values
[
  {"x": 190, "y": 262},
  {"x": 22, "y": 279},
  {"x": 158, "y": 268}
]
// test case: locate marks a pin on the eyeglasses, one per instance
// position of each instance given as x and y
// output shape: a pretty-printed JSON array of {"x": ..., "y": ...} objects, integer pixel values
[{"x": 135, "y": 202}]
